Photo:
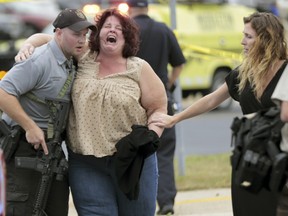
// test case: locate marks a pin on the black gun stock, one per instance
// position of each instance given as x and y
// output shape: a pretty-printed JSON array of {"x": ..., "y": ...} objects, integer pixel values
[
  {"x": 9, "y": 139},
  {"x": 4, "y": 128}
]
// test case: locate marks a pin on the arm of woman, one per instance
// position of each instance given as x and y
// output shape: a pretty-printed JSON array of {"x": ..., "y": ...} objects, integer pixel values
[
  {"x": 153, "y": 95},
  {"x": 29, "y": 45},
  {"x": 284, "y": 111},
  {"x": 205, "y": 104},
  {"x": 174, "y": 75}
]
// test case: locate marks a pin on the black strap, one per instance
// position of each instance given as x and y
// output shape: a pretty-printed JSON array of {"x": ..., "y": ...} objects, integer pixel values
[
  {"x": 64, "y": 89},
  {"x": 61, "y": 94}
]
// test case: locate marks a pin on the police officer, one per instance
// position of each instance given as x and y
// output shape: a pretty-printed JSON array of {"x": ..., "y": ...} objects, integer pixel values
[{"x": 43, "y": 75}]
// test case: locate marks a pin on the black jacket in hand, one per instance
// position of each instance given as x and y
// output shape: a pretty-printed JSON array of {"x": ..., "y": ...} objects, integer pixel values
[{"x": 131, "y": 153}]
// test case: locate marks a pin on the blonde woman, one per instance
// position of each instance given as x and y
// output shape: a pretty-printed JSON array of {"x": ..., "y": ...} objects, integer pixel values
[{"x": 251, "y": 84}]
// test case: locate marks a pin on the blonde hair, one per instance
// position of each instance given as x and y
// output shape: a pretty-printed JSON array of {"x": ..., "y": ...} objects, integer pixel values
[{"x": 269, "y": 47}]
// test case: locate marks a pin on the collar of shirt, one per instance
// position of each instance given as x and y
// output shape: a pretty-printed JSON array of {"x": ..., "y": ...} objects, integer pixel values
[{"x": 59, "y": 55}]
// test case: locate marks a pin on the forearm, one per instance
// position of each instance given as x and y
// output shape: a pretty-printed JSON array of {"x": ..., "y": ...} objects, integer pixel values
[
  {"x": 203, "y": 105},
  {"x": 158, "y": 106},
  {"x": 29, "y": 45},
  {"x": 199, "y": 107},
  {"x": 38, "y": 39},
  {"x": 153, "y": 95},
  {"x": 158, "y": 130},
  {"x": 174, "y": 75},
  {"x": 152, "y": 126},
  {"x": 284, "y": 111}
]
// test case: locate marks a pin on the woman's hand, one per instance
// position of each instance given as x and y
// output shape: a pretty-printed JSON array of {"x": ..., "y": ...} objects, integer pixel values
[
  {"x": 25, "y": 52},
  {"x": 162, "y": 120}
]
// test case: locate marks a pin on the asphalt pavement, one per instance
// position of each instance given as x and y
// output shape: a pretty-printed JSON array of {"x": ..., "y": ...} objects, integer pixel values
[{"x": 212, "y": 202}]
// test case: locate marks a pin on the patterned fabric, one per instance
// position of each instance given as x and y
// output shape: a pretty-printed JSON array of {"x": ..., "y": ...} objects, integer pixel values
[{"x": 104, "y": 108}]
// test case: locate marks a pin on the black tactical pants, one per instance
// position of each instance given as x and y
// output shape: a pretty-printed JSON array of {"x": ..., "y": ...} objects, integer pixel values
[
  {"x": 282, "y": 208},
  {"x": 22, "y": 185},
  {"x": 245, "y": 203}
]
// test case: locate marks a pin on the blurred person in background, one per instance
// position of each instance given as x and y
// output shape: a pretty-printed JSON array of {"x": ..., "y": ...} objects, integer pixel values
[{"x": 160, "y": 48}]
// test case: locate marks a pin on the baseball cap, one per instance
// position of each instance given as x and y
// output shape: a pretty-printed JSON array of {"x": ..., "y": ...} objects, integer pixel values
[
  {"x": 73, "y": 19},
  {"x": 137, "y": 3}
]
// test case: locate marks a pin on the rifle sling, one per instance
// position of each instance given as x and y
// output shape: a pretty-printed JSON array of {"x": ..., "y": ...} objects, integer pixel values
[{"x": 61, "y": 94}]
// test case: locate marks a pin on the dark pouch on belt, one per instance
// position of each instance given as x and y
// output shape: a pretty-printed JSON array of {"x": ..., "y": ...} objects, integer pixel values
[{"x": 9, "y": 139}]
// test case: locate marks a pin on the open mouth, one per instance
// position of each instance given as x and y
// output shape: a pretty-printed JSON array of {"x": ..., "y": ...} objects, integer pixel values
[{"x": 111, "y": 39}]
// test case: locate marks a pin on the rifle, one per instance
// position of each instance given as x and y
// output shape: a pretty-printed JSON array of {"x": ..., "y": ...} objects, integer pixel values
[{"x": 53, "y": 164}]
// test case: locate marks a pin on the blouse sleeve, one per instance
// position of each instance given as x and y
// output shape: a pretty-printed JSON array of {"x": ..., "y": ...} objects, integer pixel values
[
  {"x": 232, "y": 83},
  {"x": 281, "y": 89}
]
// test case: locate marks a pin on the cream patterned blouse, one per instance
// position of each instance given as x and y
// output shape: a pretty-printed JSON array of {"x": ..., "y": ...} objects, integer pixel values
[{"x": 104, "y": 109}]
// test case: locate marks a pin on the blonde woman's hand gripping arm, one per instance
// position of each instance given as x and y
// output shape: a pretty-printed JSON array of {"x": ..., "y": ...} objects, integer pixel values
[{"x": 205, "y": 104}]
